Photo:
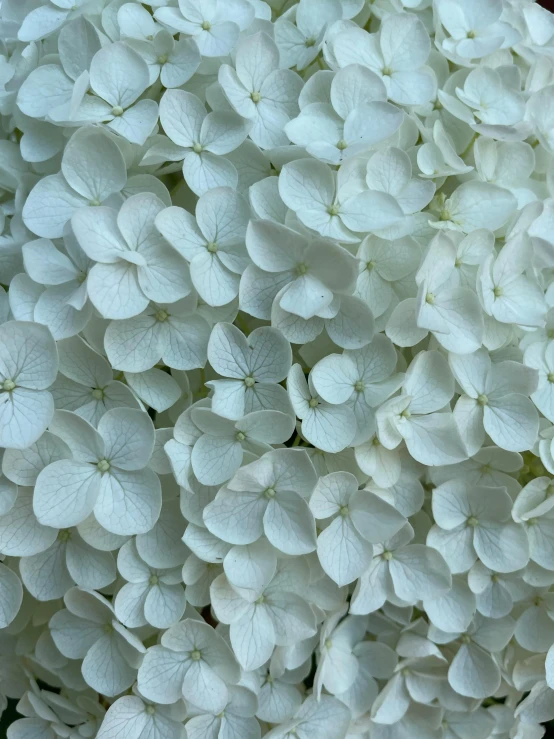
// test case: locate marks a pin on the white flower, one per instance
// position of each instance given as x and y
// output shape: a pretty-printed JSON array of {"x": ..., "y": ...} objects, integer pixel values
[
  {"x": 278, "y": 697},
  {"x": 453, "y": 314},
  {"x": 307, "y": 275},
  {"x": 174, "y": 62},
  {"x": 402, "y": 571},
  {"x": 437, "y": 157},
  {"x": 212, "y": 242},
  {"x": 475, "y": 523},
  {"x": 28, "y": 366},
  {"x": 133, "y": 262},
  {"x": 506, "y": 290},
  {"x": 533, "y": 507},
  {"x": 48, "y": 18},
  {"x": 416, "y": 416},
  {"x": 329, "y": 427},
  {"x": 173, "y": 333},
  {"x": 255, "y": 366},
  {"x": 86, "y": 629},
  {"x": 311, "y": 189},
  {"x": 475, "y": 30},
  {"x": 382, "y": 264},
  {"x": 70, "y": 560},
  {"x": 361, "y": 378},
  {"x": 267, "y": 496},
  {"x": 214, "y": 26},
  {"x": 138, "y": 719},
  {"x": 115, "y": 100},
  {"x": 107, "y": 474},
  {"x": 495, "y": 592},
  {"x": 495, "y": 401},
  {"x": 396, "y": 54},
  {"x": 200, "y": 140},
  {"x": 354, "y": 118},
  {"x": 314, "y": 719},
  {"x": 236, "y": 718},
  {"x": 63, "y": 306},
  {"x": 260, "y": 91},
  {"x": 473, "y": 671},
  {"x": 151, "y": 595},
  {"x": 390, "y": 171},
  {"x": 86, "y": 385},
  {"x": 223, "y": 443},
  {"x": 491, "y": 467},
  {"x": 474, "y": 205},
  {"x": 192, "y": 662},
  {"x": 299, "y": 42},
  {"x": 355, "y": 519},
  {"x": 92, "y": 170},
  {"x": 276, "y": 616}
]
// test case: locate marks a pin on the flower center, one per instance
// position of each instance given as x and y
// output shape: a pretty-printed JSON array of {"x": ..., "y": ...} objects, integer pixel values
[
  {"x": 150, "y": 710},
  {"x": 386, "y": 71},
  {"x": 117, "y": 110},
  {"x": 103, "y": 466},
  {"x": 498, "y": 292},
  {"x": 301, "y": 268},
  {"x": 196, "y": 655},
  {"x": 240, "y": 436},
  {"x": 482, "y": 399},
  {"x": 369, "y": 266},
  {"x": 162, "y": 59},
  {"x": 260, "y": 600},
  {"x": 212, "y": 247},
  {"x": 82, "y": 276},
  {"x": 309, "y": 42},
  {"x": 313, "y": 402},
  {"x": 197, "y": 148},
  {"x": 249, "y": 381},
  {"x": 471, "y": 34},
  {"x": 154, "y": 580},
  {"x": 64, "y": 535},
  {"x": 256, "y": 97},
  {"x": 359, "y": 386},
  {"x": 97, "y": 393},
  {"x": 550, "y": 377},
  {"x": 387, "y": 556},
  {"x": 333, "y": 210},
  {"x": 269, "y": 493},
  {"x": 342, "y": 145},
  {"x": 161, "y": 315},
  {"x": 8, "y": 385},
  {"x": 430, "y": 298},
  {"x": 328, "y": 643},
  {"x": 343, "y": 511},
  {"x": 465, "y": 638},
  {"x": 206, "y": 25},
  {"x": 472, "y": 521}
]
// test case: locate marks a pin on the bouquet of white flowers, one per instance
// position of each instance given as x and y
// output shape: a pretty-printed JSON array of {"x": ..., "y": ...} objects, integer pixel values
[{"x": 276, "y": 369}]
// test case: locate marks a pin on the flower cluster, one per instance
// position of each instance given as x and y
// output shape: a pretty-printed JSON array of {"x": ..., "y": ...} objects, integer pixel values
[{"x": 277, "y": 369}]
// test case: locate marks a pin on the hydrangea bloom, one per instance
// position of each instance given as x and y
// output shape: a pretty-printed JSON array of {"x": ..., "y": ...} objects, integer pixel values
[{"x": 276, "y": 369}]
